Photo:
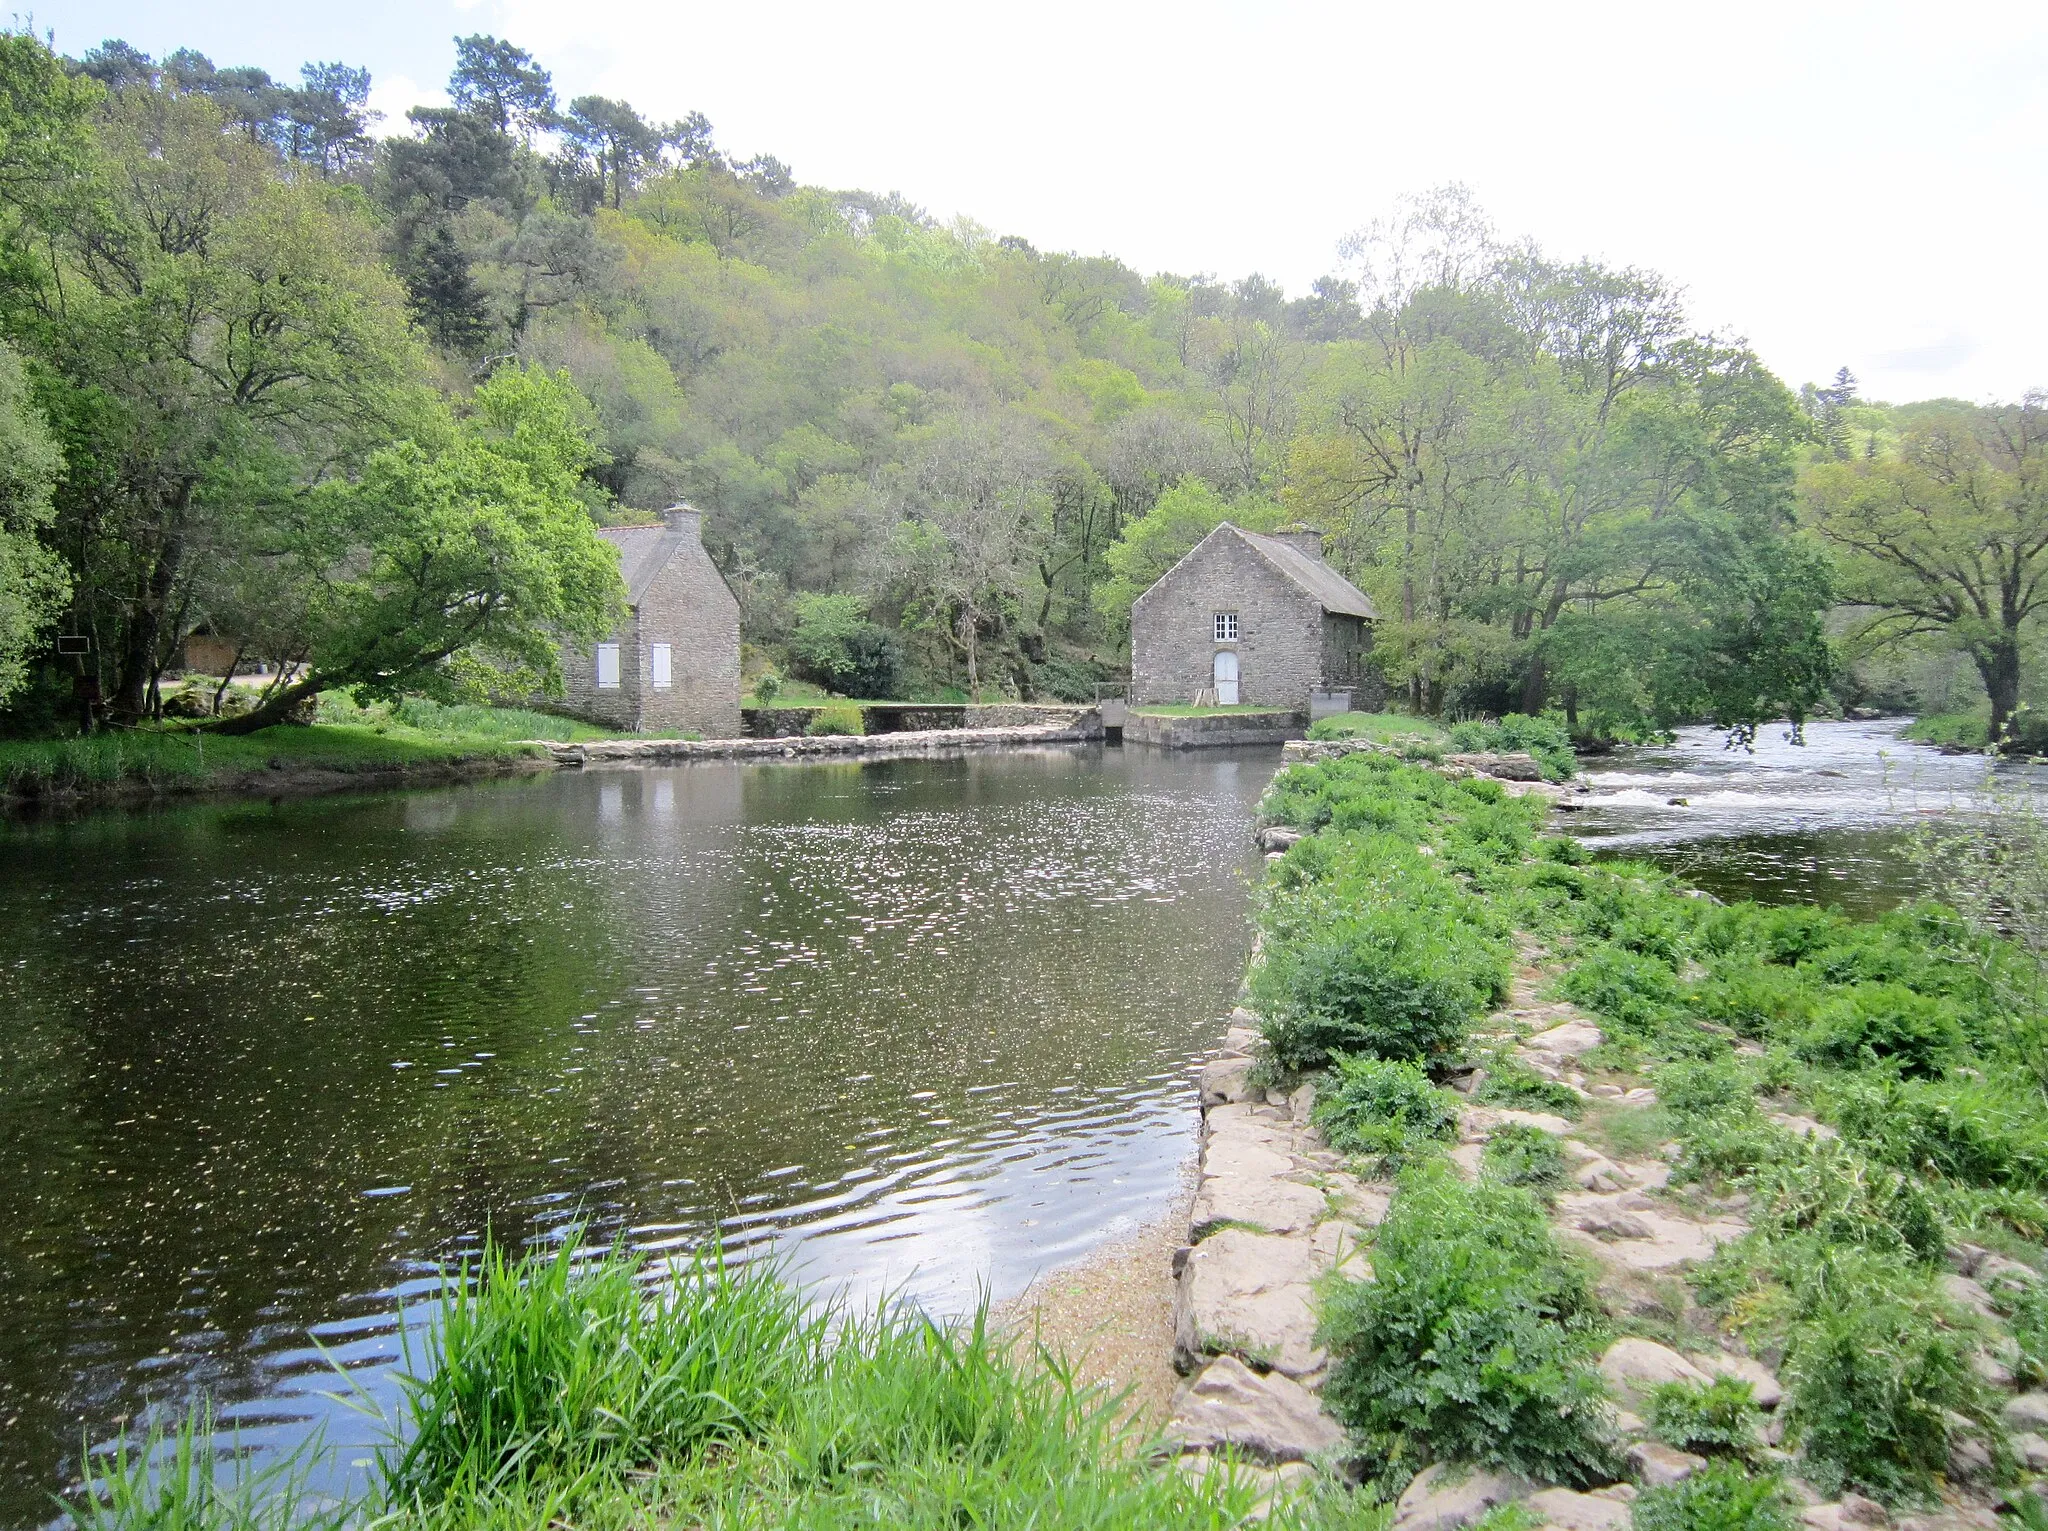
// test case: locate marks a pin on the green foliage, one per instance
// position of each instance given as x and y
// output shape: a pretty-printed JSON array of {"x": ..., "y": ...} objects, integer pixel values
[
  {"x": 1874, "y": 1370},
  {"x": 1474, "y": 1340},
  {"x": 1399, "y": 731},
  {"x": 836, "y": 719},
  {"x": 1546, "y": 738},
  {"x": 34, "y": 582},
  {"x": 1385, "y": 1109},
  {"x": 1717, "y": 1418},
  {"x": 1882, "y": 1024},
  {"x": 1511, "y": 1082},
  {"x": 175, "y": 1479},
  {"x": 1722, "y": 1497},
  {"x": 1703, "y": 1088},
  {"x": 1156, "y": 541},
  {"x": 1526, "y": 1157},
  {"x": 835, "y": 645},
  {"x": 1963, "y": 1129},
  {"x": 1636, "y": 993}
]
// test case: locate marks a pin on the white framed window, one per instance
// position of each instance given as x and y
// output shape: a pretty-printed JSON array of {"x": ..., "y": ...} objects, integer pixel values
[
  {"x": 1226, "y": 627},
  {"x": 658, "y": 669},
  {"x": 607, "y": 667}
]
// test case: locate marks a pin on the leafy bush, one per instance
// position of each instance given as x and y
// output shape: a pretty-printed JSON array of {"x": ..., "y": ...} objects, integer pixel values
[
  {"x": 1390, "y": 981},
  {"x": 1384, "y": 1108},
  {"x": 1756, "y": 998},
  {"x": 835, "y": 719},
  {"x": 1635, "y": 992},
  {"x": 1964, "y": 1129},
  {"x": 1703, "y": 1088},
  {"x": 1873, "y": 1372},
  {"x": 1545, "y": 738},
  {"x": 1528, "y": 1157},
  {"x": 1719, "y": 1498},
  {"x": 1474, "y": 1341},
  {"x": 1511, "y": 1082},
  {"x": 1882, "y": 1023},
  {"x": 1730, "y": 1145},
  {"x": 1718, "y": 1418},
  {"x": 1827, "y": 1189},
  {"x": 836, "y": 646}
]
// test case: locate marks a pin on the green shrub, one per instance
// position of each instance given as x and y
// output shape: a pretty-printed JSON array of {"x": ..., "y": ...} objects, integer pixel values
[
  {"x": 1637, "y": 993},
  {"x": 1511, "y": 1082},
  {"x": 1392, "y": 981},
  {"x": 1528, "y": 1157},
  {"x": 1873, "y": 1372},
  {"x": 1756, "y": 998},
  {"x": 1730, "y": 1145},
  {"x": 1545, "y": 738},
  {"x": 1718, "y": 1418},
  {"x": 837, "y": 719},
  {"x": 1968, "y": 1130},
  {"x": 1474, "y": 1341},
  {"x": 1704, "y": 1088},
  {"x": 1719, "y": 1498},
  {"x": 1826, "y": 1189},
  {"x": 1385, "y": 1109},
  {"x": 1882, "y": 1024}
]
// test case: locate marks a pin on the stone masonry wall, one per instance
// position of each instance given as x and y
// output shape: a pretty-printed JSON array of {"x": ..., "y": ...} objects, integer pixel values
[
  {"x": 1280, "y": 630},
  {"x": 688, "y": 607},
  {"x": 581, "y": 698}
]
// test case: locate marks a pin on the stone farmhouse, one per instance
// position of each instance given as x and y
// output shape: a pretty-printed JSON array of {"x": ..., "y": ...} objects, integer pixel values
[
  {"x": 1254, "y": 618},
  {"x": 674, "y": 665}
]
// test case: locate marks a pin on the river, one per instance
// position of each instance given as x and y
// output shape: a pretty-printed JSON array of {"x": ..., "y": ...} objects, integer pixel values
[{"x": 922, "y": 1026}]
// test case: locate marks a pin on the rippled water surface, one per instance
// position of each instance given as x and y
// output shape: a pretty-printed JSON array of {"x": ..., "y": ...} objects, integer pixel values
[
  {"x": 923, "y": 1024},
  {"x": 1824, "y": 821}
]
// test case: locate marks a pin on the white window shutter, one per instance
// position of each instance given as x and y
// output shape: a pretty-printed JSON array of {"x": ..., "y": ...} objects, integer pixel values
[
  {"x": 658, "y": 667},
  {"x": 607, "y": 667}
]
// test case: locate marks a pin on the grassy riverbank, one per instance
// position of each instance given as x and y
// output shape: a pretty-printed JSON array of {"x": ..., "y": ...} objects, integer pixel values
[
  {"x": 380, "y": 741},
  {"x": 1861, "y": 1101},
  {"x": 573, "y": 1393},
  {"x": 2026, "y": 735}
]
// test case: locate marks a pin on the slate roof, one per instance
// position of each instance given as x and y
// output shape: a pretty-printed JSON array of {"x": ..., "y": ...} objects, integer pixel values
[
  {"x": 644, "y": 551},
  {"x": 1323, "y": 584}
]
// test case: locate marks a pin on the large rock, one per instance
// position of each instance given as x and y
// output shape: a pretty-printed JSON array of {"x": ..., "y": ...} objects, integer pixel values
[
  {"x": 1657, "y": 1464},
  {"x": 1512, "y": 766},
  {"x": 1224, "y": 1079},
  {"x": 1248, "y": 1294},
  {"x": 1573, "y": 1039},
  {"x": 1764, "y": 1390},
  {"x": 1579, "y": 1512},
  {"x": 1634, "y": 1368},
  {"x": 1272, "y": 1419},
  {"x": 2029, "y": 1411},
  {"x": 1259, "y": 1203},
  {"x": 1632, "y": 1231},
  {"x": 1443, "y": 1498}
]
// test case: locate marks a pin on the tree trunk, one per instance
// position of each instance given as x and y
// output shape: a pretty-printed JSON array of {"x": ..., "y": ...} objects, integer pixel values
[
  {"x": 274, "y": 710},
  {"x": 1999, "y": 663},
  {"x": 145, "y": 623},
  {"x": 1535, "y": 686}
]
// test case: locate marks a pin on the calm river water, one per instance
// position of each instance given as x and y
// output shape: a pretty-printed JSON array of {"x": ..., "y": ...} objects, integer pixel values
[{"x": 923, "y": 1025}]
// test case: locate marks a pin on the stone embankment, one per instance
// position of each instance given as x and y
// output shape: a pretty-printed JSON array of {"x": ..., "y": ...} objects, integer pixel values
[
  {"x": 1276, "y": 1212},
  {"x": 1076, "y": 727}
]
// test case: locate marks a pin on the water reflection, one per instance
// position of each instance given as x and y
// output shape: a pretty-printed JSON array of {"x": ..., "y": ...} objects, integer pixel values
[
  {"x": 1827, "y": 821},
  {"x": 921, "y": 1024}
]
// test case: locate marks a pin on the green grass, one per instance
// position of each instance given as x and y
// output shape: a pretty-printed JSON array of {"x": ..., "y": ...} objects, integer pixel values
[
  {"x": 2027, "y": 734},
  {"x": 601, "y": 1392},
  {"x": 414, "y": 733},
  {"x": 1380, "y": 727}
]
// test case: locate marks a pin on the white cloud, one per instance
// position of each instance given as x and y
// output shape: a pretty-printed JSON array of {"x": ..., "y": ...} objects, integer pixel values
[{"x": 392, "y": 95}]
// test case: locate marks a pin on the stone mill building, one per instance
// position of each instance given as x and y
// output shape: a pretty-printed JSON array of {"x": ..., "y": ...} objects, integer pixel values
[
  {"x": 674, "y": 665},
  {"x": 1255, "y": 618}
]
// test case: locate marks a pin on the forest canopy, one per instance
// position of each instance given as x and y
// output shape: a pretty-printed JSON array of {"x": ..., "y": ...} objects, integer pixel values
[{"x": 243, "y": 338}]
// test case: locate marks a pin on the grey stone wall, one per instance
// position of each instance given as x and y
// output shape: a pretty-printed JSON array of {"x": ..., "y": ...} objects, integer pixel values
[
  {"x": 581, "y": 697},
  {"x": 1280, "y": 629},
  {"x": 687, "y": 606}
]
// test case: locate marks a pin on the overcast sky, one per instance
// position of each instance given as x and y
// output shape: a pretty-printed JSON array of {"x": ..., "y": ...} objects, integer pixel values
[{"x": 1860, "y": 185}]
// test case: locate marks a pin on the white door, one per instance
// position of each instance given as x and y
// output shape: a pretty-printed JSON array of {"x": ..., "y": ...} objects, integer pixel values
[{"x": 1226, "y": 677}]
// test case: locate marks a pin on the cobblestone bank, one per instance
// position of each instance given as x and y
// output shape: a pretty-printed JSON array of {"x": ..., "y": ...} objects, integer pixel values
[{"x": 935, "y": 741}]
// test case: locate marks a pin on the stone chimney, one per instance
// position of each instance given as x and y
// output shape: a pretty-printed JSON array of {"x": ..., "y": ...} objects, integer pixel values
[
  {"x": 1303, "y": 539},
  {"x": 685, "y": 522}
]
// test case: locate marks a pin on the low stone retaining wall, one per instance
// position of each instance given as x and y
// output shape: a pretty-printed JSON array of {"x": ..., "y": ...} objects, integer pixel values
[
  {"x": 915, "y": 717},
  {"x": 937, "y": 741},
  {"x": 1214, "y": 729}
]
